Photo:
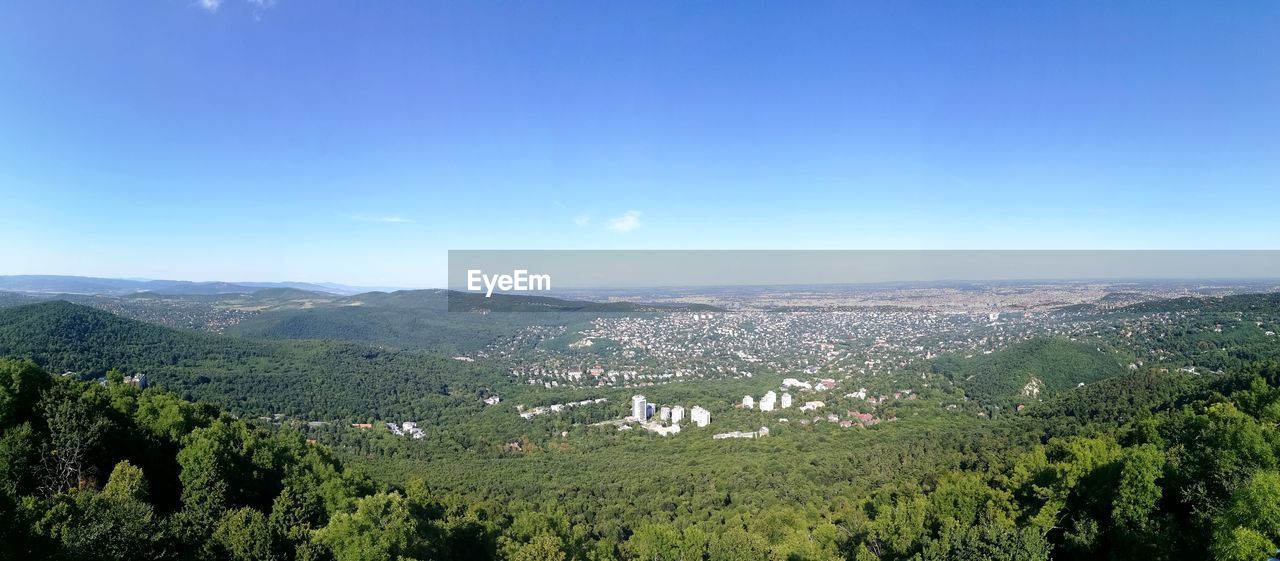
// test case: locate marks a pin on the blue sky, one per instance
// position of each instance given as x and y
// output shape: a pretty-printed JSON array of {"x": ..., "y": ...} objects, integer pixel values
[{"x": 358, "y": 141}]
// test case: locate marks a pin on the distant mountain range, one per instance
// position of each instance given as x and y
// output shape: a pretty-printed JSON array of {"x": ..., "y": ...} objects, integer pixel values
[{"x": 61, "y": 284}]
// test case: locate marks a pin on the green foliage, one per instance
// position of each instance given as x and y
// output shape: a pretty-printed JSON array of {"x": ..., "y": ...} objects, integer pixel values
[
  {"x": 186, "y": 482},
  {"x": 127, "y": 483},
  {"x": 736, "y": 543},
  {"x": 243, "y": 535},
  {"x": 301, "y": 379},
  {"x": 1143, "y": 464},
  {"x": 87, "y": 524},
  {"x": 1029, "y": 370},
  {"x": 382, "y": 527},
  {"x": 21, "y": 383},
  {"x": 543, "y": 547},
  {"x": 1138, "y": 491},
  {"x": 1249, "y": 528}
]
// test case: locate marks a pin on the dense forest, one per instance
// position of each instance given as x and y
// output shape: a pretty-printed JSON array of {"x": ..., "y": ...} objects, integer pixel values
[
  {"x": 1152, "y": 462},
  {"x": 105, "y": 471},
  {"x": 439, "y": 320},
  {"x": 307, "y": 379},
  {"x": 1043, "y": 365}
]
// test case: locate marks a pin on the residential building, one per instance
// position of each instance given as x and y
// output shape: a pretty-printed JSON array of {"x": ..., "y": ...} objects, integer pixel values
[
  {"x": 700, "y": 416},
  {"x": 812, "y": 405},
  {"x": 639, "y": 408},
  {"x": 138, "y": 380},
  {"x": 769, "y": 401}
]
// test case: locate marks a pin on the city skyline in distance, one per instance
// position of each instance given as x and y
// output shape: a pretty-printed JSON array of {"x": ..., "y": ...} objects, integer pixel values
[{"x": 586, "y": 270}]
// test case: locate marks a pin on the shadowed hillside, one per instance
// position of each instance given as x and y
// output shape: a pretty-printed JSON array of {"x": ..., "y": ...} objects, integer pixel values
[{"x": 314, "y": 379}]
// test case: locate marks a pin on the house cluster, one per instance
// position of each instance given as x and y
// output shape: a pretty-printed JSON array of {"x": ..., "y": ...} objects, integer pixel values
[
  {"x": 812, "y": 406},
  {"x": 664, "y": 419},
  {"x": 407, "y": 428},
  {"x": 138, "y": 380},
  {"x": 768, "y": 402},
  {"x": 862, "y": 394},
  {"x": 555, "y": 407},
  {"x": 852, "y": 419},
  {"x": 763, "y": 432},
  {"x": 865, "y": 419}
]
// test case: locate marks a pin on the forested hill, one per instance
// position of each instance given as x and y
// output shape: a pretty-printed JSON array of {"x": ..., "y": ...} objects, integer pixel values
[
  {"x": 439, "y": 320},
  {"x": 65, "y": 336},
  {"x": 309, "y": 379},
  {"x": 1234, "y": 303},
  {"x": 55, "y": 284},
  {"x": 1036, "y": 368},
  {"x": 1145, "y": 465},
  {"x": 103, "y": 471},
  {"x": 411, "y": 319},
  {"x": 106, "y": 472}
]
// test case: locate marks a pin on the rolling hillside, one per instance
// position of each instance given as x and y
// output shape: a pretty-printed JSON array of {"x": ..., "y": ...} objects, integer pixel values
[
  {"x": 437, "y": 320},
  {"x": 1030, "y": 370},
  {"x": 313, "y": 379},
  {"x": 62, "y": 284}
]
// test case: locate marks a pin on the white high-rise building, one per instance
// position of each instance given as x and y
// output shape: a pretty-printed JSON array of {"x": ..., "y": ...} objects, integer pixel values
[
  {"x": 700, "y": 416},
  {"x": 677, "y": 414},
  {"x": 768, "y": 401},
  {"x": 786, "y": 400},
  {"x": 748, "y": 402},
  {"x": 664, "y": 414},
  {"x": 639, "y": 408}
]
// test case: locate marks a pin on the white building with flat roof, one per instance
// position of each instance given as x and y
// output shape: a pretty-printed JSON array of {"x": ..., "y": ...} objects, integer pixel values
[
  {"x": 677, "y": 414},
  {"x": 700, "y": 416},
  {"x": 764, "y": 431},
  {"x": 639, "y": 408},
  {"x": 786, "y": 400},
  {"x": 748, "y": 402},
  {"x": 812, "y": 405},
  {"x": 660, "y": 429},
  {"x": 768, "y": 402}
]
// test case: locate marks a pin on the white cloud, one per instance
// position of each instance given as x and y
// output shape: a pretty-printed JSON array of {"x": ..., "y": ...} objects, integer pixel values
[
  {"x": 582, "y": 220},
  {"x": 258, "y": 6},
  {"x": 630, "y": 220},
  {"x": 390, "y": 219}
]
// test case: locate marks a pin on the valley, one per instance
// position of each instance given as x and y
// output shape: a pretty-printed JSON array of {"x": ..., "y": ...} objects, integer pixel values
[{"x": 528, "y": 415}]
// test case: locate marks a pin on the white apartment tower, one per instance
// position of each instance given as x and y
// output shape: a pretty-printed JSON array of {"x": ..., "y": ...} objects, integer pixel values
[
  {"x": 700, "y": 416},
  {"x": 677, "y": 414},
  {"x": 639, "y": 408},
  {"x": 748, "y": 402},
  {"x": 768, "y": 401},
  {"x": 786, "y": 400}
]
